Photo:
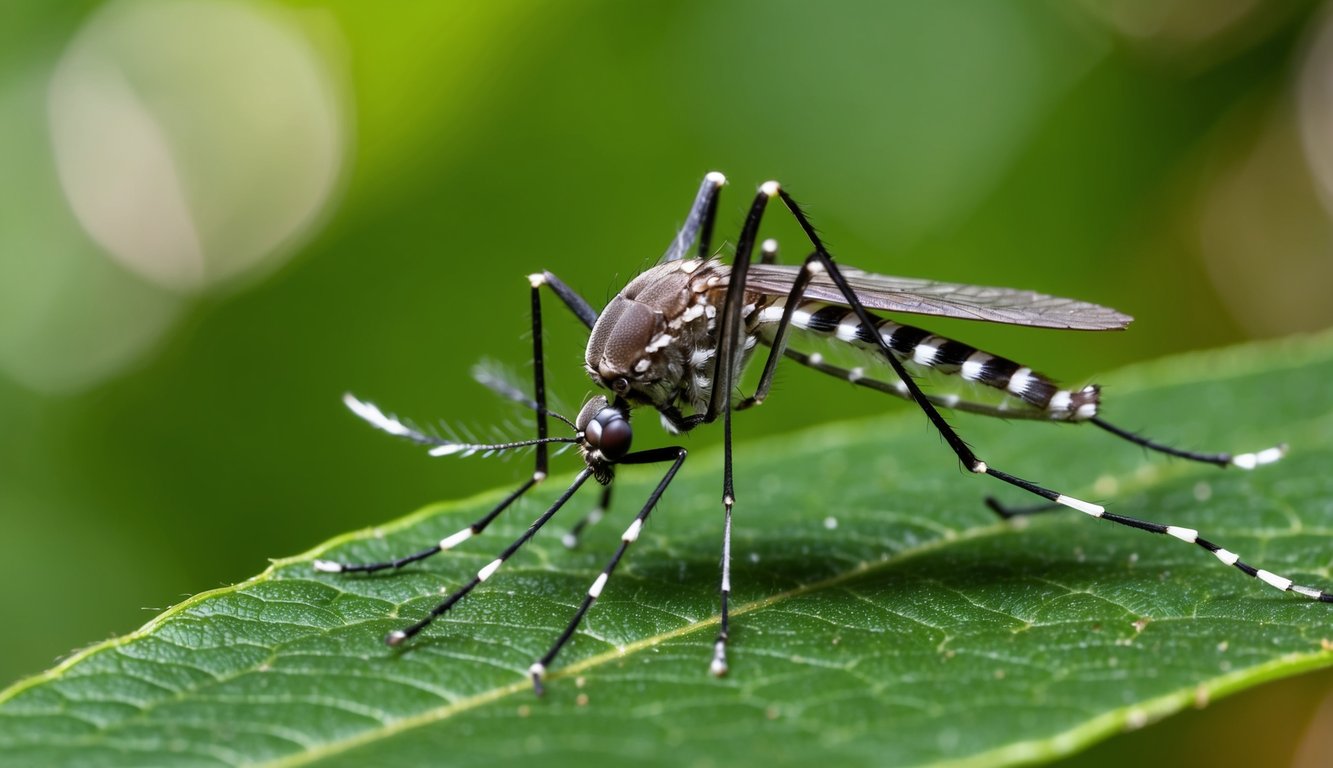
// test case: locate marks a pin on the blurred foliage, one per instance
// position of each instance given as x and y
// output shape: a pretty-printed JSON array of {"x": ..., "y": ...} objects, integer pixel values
[{"x": 1105, "y": 151}]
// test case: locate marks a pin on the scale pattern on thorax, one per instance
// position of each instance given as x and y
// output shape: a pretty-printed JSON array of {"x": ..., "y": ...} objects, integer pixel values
[{"x": 659, "y": 334}]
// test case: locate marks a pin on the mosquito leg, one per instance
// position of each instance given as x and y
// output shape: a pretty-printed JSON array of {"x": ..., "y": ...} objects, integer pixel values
[
  {"x": 726, "y": 361},
  {"x": 397, "y": 636},
  {"x": 1008, "y": 513},
  {"x": 699, "y": 223},
  {"x": 955, "y": 442},
  {"x": 858, "y": 376},
  {"x": 974, "y": 464},
  {"x": 441, "y": 447},
  {"x": 730, "y": 344},
  {"x": 1240, "y": 460},
  {"x": 1191, "y": 536},
  {"x": 576, "y": 303},
  {"x": 676, "y": 455},
  {"x": 718, "y": 666},
  {"x": 539, "y": 373},
  {"x": 571, "y": 539},
  {"x": 730, "y": 350},
  {"x": 448, "y": 542},
  {"x": 712, "y": 185},
  {"x": 778, "y": 346}
]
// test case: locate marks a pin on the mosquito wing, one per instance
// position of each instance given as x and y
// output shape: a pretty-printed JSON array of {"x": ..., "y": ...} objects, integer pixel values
[{"x": 928, "y": 297}]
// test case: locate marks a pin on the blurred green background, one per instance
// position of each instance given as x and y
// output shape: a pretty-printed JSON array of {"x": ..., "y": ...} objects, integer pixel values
[{"x": 216, "y": 217}]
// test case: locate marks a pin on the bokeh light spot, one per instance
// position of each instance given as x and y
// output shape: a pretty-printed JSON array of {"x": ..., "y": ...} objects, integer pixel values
[
  {"x": 170, "y": 148},
  {"x": 194, "y": 140}
]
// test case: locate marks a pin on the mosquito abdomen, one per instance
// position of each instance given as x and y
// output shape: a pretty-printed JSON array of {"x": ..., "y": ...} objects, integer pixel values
[{"x": 920, "y": 349}]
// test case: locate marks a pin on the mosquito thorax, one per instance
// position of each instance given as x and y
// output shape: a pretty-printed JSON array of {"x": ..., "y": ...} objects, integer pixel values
[{"x": 650, "y": 343}]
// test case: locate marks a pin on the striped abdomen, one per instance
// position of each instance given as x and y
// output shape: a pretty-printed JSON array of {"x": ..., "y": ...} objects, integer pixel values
[{"x": 920, "y": 349}]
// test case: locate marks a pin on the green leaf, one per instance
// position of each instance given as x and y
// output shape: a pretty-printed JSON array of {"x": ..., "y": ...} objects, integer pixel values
[{"x": 881, "y": 615}]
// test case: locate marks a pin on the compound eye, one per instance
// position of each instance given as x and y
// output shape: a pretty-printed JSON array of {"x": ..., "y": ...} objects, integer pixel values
[
  {"x": 620, "y": 386},
  {"x": 610, "y": 432}
]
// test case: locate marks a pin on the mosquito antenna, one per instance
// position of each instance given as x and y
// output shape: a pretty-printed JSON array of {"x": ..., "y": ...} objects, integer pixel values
[
  {"x": 387, "y": 422},
  {"x": 448, "y": 448}
]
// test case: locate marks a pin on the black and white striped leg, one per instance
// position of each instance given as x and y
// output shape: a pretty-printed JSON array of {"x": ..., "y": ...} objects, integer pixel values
[
  {"x": 726, "y": 368},
  {"x": 857, "y": 376},
  {"x": 397, "y": 636},
  {"x": 726, "y": 364},
  {"x": 718, "y": 666},
  {"x": 674, "y": 454},
  {"x": 974, "y": 464},
  {"x": 768, "y": 255},
  {"x": 1245, "y": 461},
  {"x": 1238, "y": 460},
  {"x": 448, "y": 542},
  {"x": 441, "y": 447},
  {"x": 1191, "y": 536},
  {"x": 571, "y": 538},
  {"x": 955, "y": 442}
]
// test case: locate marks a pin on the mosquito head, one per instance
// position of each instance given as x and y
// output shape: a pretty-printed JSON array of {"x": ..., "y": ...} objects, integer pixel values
[{"x": 607, "y": 434}]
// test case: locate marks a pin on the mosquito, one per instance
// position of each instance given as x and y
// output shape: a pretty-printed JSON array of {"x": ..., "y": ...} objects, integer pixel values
[{"x": 678, "y": 337}]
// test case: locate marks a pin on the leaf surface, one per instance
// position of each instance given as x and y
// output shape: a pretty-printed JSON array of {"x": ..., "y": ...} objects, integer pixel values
[{"x": 881, "y": 615}]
